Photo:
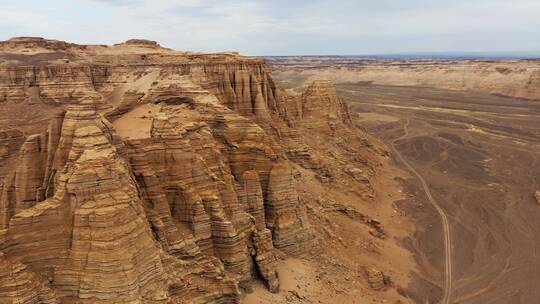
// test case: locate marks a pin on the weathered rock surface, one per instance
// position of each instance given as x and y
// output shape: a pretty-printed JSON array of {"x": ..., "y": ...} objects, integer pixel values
[
  {"x": 95, "y": 218},
  {"x": 167, "y": 178},
  {"x": 18, "y": 284},
  {"x": 10, "y": 141},
  {"x": 376, "y": 279}
]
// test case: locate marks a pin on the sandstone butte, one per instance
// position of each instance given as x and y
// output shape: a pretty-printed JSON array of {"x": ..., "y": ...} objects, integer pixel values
[{"x": 138, "y": 174}]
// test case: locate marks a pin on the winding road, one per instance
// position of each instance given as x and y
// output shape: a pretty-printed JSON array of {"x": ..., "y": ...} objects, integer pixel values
[{"x": 447, "y": 293}]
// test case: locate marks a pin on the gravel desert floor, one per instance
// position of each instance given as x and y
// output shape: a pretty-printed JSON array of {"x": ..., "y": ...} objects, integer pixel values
[{"x": 480, "y": 157}]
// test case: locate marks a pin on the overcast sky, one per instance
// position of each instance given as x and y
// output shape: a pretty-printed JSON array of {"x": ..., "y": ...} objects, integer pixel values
[{"x": 285, "y": 27}]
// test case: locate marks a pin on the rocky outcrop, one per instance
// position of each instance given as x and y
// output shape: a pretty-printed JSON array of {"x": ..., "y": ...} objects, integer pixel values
[
  {"x": 169, "y": 177},
  {"x": 537, "y": 196},
  {"x": 376, "y": 279},
  {"x": 96, "y": 223},
  {"x": 284, "y": 215},
  {"x": 145, "y": 42},
  {"x": 322, "y": 108},
  {"x": 29, "y": 43},
  {"x": 262, "y": 247},
  {"x": 94, "y": 219}
]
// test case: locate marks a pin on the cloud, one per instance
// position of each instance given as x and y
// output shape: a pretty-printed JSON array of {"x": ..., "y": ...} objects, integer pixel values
[{"x": 284, "y": 26}]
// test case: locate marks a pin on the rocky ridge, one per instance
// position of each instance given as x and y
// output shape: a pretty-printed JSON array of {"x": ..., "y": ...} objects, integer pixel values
[
  {"x": 160, "y": 176},
  {"x": 515, "y": 78}
]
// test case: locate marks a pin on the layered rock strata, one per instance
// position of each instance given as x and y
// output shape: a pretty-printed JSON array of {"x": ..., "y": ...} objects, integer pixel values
[
  {"x": 101, "y": 243},
  {"x": 168, "y": 177}
]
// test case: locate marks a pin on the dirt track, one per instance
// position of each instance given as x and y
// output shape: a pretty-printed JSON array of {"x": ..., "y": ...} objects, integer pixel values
[
  {"x": 479, "y": 155},
  {"x": 447, "y": 293}
]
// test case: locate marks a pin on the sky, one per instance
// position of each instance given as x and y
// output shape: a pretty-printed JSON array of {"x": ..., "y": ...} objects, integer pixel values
[{"x": 281, "y": 27}]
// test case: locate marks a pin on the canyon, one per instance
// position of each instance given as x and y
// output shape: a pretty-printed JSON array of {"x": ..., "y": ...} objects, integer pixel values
[{"x": 134, "y": 173}]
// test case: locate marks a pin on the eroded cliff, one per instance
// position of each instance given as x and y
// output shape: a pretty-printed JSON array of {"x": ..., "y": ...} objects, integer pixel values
[{"x": 156, "y": 176}]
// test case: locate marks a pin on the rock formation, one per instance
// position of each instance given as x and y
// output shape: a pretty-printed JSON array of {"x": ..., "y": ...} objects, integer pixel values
[
  {"x": 19, "y": 285},
  {"x": 161, "y": 182},
  {"x": 157, "y": 177},
  {"x": 376, "y": 279}
]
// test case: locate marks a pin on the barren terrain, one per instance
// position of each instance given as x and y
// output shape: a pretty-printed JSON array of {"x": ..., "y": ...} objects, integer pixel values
[
  {"x": 477, "y": 153},
  {"x": 509, "y": 77},
  {"x": 480, "y": 157}
]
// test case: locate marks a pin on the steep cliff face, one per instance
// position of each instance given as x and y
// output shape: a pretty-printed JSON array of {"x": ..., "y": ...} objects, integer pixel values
[
  {"x": 157, "y": 177},
  {"x": 182, "y": 198}
]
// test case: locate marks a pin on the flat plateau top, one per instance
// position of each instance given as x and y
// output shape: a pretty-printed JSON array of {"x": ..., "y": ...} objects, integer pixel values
[{"x": 35, "y": 51}]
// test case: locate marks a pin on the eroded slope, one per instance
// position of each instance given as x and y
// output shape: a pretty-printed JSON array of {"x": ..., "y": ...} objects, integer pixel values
[{"x": 155, "y": 176}]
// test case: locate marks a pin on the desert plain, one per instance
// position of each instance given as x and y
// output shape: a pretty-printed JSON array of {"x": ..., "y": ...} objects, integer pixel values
[{"x": 478, "y": 153}]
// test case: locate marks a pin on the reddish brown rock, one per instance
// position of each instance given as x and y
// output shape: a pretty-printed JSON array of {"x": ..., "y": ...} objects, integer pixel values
[
  {"x": 96, "y": 222},
  {"x": 376, "y": 279},
  {"x": 167, "y": 179},
  {"x": 10, "y": 141},
  {"x": 285, "y": 216},
  {"x": 18, "y": 284}
]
